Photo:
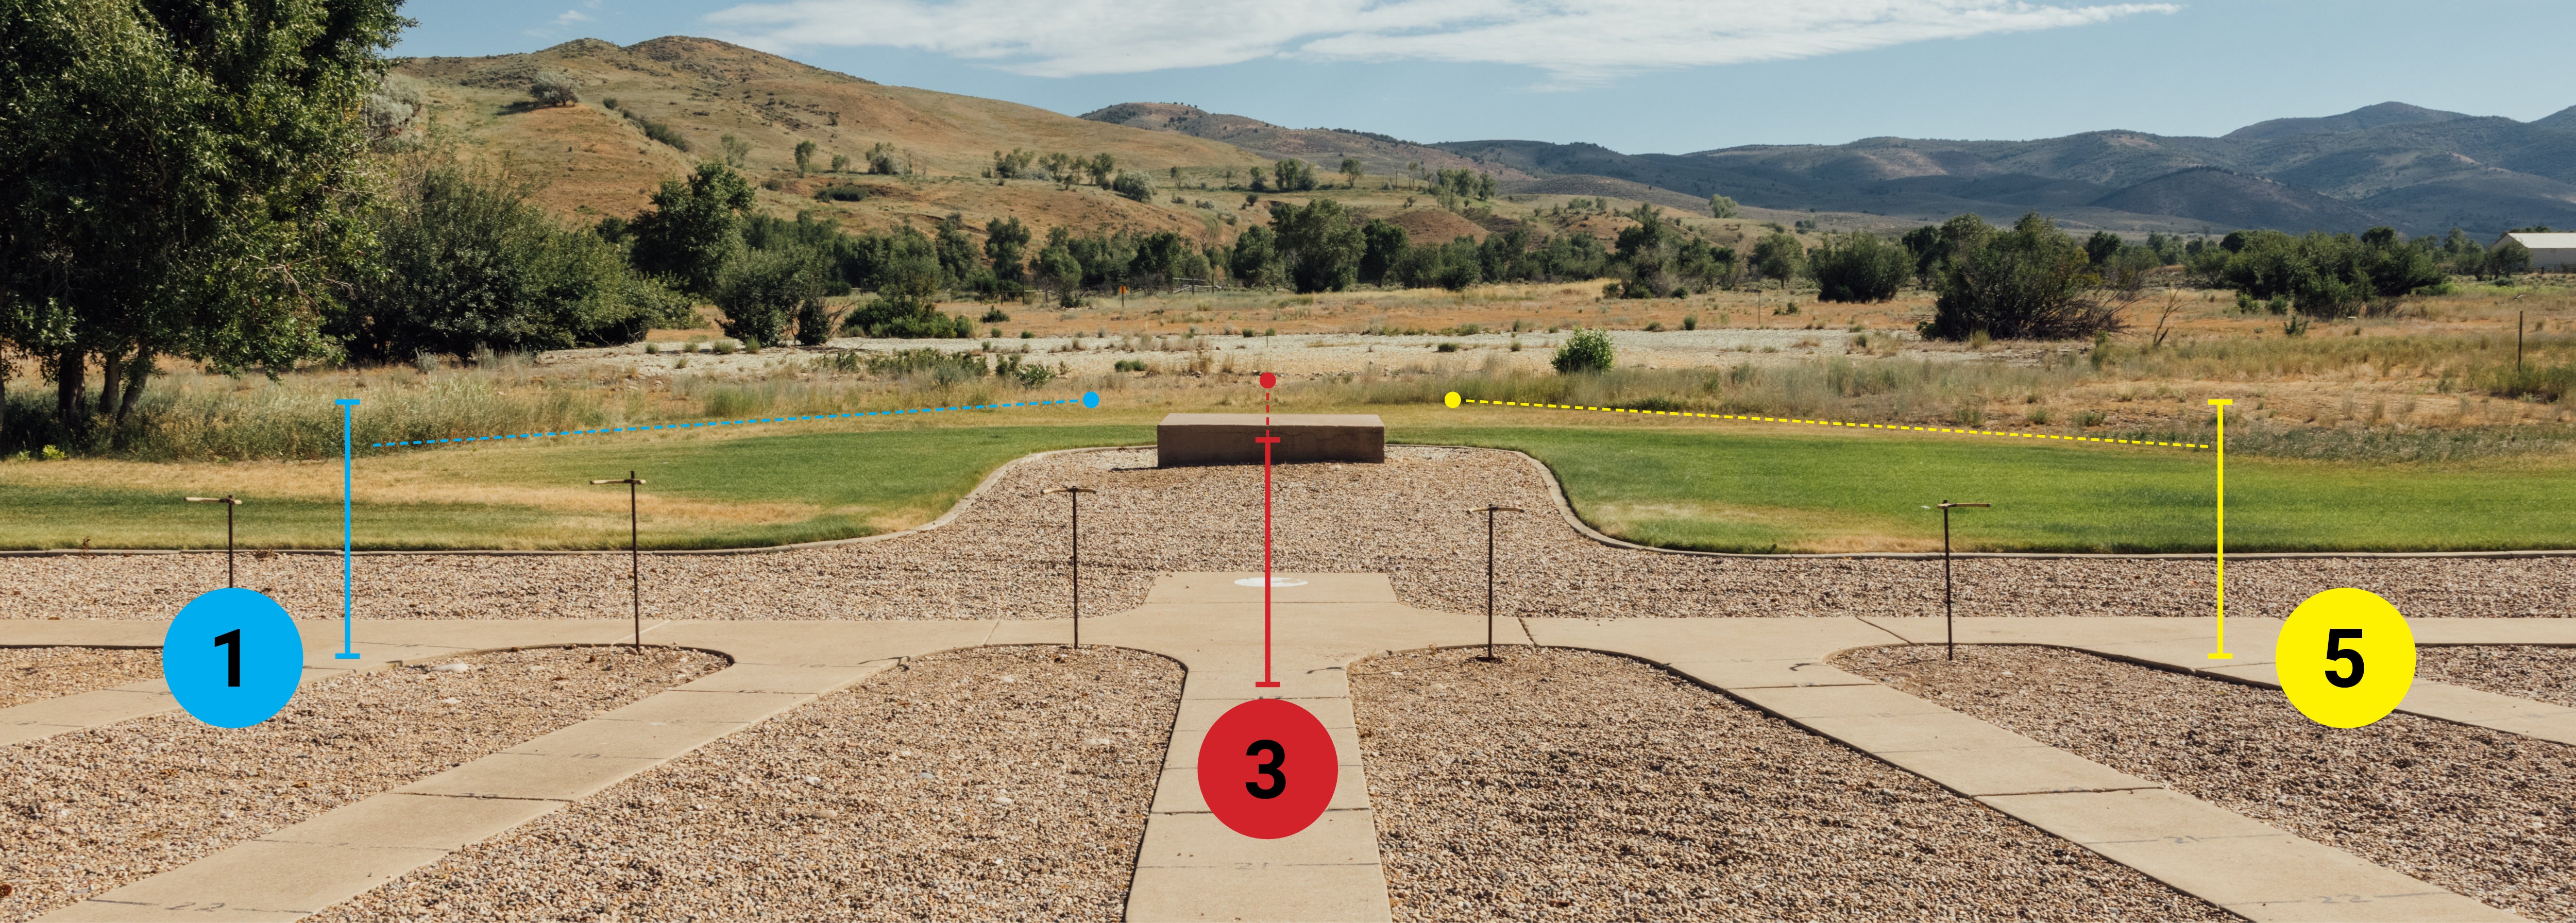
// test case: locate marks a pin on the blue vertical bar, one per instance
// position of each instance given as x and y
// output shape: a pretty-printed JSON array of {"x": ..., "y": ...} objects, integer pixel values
[{"x": 348, "y": 595}]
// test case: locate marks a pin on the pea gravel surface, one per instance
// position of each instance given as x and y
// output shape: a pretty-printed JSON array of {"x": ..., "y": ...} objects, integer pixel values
[
  {"x": 1569, "y": 785},
  {"x": 987, "y": 784},
  {"x": 30, "y": 674},
  {"x": 2526, "y": 671},
  {"x": 1400, "y": 518},
  {"x": 86, "y": 812},
  {"x": 2482, "y": 813}
]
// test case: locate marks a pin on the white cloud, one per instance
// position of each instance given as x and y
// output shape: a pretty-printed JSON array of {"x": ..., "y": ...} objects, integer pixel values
[
  {"x": 572, "y": 16},
  {"x": 1574, "y": 40}
]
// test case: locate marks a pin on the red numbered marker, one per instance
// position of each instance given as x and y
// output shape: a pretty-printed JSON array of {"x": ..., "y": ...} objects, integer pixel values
[
  {"x": 1269, "y": 380},
  {"x": 1267, "y": 769}
]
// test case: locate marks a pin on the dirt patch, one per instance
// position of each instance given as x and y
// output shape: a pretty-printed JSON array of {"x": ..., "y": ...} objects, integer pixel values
[
  {"x": 2479, "y": 812},
  {"x": 1579, "y": 786},
  {"x": 994, "y": 783}
]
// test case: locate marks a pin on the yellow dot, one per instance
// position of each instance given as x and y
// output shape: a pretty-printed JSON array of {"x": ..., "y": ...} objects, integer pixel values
[
  {"x": 2345, "y": 658},
  {"x": 1450, "y": 399}
]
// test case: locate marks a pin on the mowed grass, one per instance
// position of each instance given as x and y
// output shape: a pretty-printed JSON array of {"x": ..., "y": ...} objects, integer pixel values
[
  {"x": 702, "y": 491},
  {"x": 1721, "y": 487},
  {"x": 1763, "y": 489}
]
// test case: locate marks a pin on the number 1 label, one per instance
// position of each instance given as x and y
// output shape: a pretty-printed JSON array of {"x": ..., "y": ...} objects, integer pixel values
[{"x": 232, "y": 658}]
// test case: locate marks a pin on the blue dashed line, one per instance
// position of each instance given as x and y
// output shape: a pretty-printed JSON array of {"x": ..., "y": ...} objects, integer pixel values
[{"x": 1086, "y": 400}]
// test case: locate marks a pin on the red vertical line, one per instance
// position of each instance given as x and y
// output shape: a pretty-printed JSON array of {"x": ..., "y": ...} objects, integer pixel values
[{"x": 1266, "y": 441}]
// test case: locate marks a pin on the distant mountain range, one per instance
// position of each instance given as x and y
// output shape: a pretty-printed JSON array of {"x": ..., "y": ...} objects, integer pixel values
[{"x": 2421, "y": 170}]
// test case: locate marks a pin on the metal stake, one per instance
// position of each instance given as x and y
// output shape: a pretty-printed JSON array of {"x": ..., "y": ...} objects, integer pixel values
[
  {"x": 1489, "y": 510},
  {"x": 1076, "y": 493},
  {"x": 228, "y": 502},
  {"x": 1948, "y": 628},
  {"x": 634, "y": 552}
]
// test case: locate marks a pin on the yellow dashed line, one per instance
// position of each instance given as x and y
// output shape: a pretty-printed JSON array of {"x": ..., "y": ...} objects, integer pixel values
[{"x": 1926, "y": 429}]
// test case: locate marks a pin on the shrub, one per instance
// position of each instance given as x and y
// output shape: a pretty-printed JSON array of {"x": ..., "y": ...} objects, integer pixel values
[
  {"x": 1584, "y": 351},
  {"x": 724, "y": 347},
  {"x": 2548, "y": 384},
  {"x": 1133, "y": 187},
  {"x": 995, "y": 315},
  {"x": 659, "y": 132},
  {"x": 1859, "y": 267},
  {"x": 2031, "y": 282},
  {"x": 1129, "y": 365},
  {"x": 554, "y": 89},
  {"x": 1690, "y": 321},
  {"x": 841, "y": 192},
  {"x": 1447, "y": 347}
]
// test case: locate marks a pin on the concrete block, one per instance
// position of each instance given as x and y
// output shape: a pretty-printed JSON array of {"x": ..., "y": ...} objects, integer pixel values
[{"x": 1227, "y": 438}]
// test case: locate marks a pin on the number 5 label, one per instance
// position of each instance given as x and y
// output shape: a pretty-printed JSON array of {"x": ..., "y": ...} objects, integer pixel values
[
  {"x": 232, "y": 658},
  {"x": 2346, "y": 658}
]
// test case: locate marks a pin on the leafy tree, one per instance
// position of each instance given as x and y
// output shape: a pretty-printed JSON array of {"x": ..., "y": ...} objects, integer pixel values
[
  {"x": 1352, "y": 171},
  {"x": 471, "y": 263},
  {"x": 2508, "y": 257},
  {"x": 840, "y": 163},
  {"x": 692, "y": 228},
  {"x": 1063, "y": 272},
  {"x": 904, "y": 309},
  {"x": 1132, "y": 186},
  {"x": 1293, "y": 175},
  {"x": 1779, "y": 256},
  {"x": 1382, "y": 242},
  {"x": 1721, "y": 207},
  {"x": 1584, "y": 351},
  {"x": 804, "y": 156},
  {"x": 554, "y": 89},
  {"x": 765, "y": 291},
  {"x": 880, "y": 157},
  {"x": 1925, "y": 244},
  {"x": 1859, "y": 267},
  {"x": 957, "y": 258},
  {"x": 1006, "y": 243},
  {"x": 1256, "y": 262},
  {"x": 1318, "y": 245},
  {"x": 2029, "y": 282},
  {"x": 183, "y": 180},
  {"x": 2101, "y": 247},
  {"x": 736, "y": 149},
  {"x": 1103, "y": 169}
]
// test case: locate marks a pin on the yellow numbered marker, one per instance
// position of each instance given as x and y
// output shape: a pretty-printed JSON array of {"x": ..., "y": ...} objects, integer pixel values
[
  {"x": 2346, "y": 658},
  {"x": 1451, "y": 399}
]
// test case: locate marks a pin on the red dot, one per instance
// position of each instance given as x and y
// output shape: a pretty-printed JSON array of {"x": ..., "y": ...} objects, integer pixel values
[
  {"x": 1269, "y": 380},
  {"x": 1268, "y": 768}
]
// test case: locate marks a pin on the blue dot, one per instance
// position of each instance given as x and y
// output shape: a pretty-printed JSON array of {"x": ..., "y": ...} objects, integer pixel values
[
  {"x": 232, "y": 658},
  {"x": 1091, "y": 399}
]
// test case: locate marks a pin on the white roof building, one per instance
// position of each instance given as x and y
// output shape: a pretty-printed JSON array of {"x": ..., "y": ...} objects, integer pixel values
[{"x": 2554, "y": 251}]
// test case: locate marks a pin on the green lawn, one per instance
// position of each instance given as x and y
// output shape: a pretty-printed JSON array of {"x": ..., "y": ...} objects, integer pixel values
[
  {"x": 1734, "y": 488},
  {"x": 1744, "y": 489}
]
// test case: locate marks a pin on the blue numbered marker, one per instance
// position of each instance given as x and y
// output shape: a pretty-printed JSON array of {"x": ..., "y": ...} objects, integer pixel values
[{"x": 232, "y": 658}]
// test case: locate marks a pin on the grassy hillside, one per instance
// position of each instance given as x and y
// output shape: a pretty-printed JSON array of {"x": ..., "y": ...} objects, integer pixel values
[{"x": 597, "y": 161}]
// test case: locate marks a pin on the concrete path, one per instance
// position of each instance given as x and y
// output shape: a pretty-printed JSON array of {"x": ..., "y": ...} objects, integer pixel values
[{"x": 1190, "y": 866}]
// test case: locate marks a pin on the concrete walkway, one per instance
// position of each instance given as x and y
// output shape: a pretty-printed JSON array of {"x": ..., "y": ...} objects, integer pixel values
[{"x": 1190, "y": 866}]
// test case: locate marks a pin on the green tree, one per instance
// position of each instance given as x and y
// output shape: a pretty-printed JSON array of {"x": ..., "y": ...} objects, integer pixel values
[
  {"x": 804, "y": 156},
  {"x": 840, "y": 163},
  {"x": 1779, "y": 256},
  {"x": 1062, "y": 272},
  {"x": 554, "y": 89},
  {"x": 1721, "y": 207},
  {"x": 692, "y": 228},
  {"x": 880, "y": 157},
  {"x": 472, "y": 263},
  {"x": 1132, "y": 186},
  {"x": 2101, "y": 247},
  {"x": 1352, "y": 171},
  {"x": 957, "y": 257},
  {"x": 1382, "y": 243},
  {"x": 736, "y": 149},
  {"x": 180, "y": 180},
  {"x": 1255, "y": 262},
  {"x": 764, "y": 291},
  {"x": 1006, "y": 243},
  {"x": 2029, "y": 282},
  {"x": 1293, "y": 175},
  {"x": 1318, "y": 245},
  {"x": 1103, "y": 169},
  {"x": 2507, "y": 258},
  {"x": 1859, "y": 267}
]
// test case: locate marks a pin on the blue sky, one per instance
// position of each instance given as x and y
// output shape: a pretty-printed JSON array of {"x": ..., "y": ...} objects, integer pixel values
[{"x": 1634, "y": 75}]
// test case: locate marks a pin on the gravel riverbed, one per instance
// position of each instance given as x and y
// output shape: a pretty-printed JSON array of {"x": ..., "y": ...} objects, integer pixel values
[
  {"x": 2468, "y": 809},
  {"x": 29, "y": 674},
  {"x": 984, "y": 784},
  {"x": 2527, "y": 671},
  {"x": 89, "y": 811},
  {"x": 1003, "y": 557},
  {"x": 1568, "y": 785}
]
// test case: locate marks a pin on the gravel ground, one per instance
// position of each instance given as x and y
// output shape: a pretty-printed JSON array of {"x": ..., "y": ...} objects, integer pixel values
[
  {"x": 2468, "y": 809},
  {"x": 988, "y": 784},
  {"x": 2527, "y": 671},
  {"x": 1003, "y": 558},
  {"x": 89, "y": 811},
  {"x": 1617, "y": 791},
  {"x": 28, "y": 674}
]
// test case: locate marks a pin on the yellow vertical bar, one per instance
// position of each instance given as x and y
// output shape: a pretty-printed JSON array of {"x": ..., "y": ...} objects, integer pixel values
[{"x": 2221, "y": 653}]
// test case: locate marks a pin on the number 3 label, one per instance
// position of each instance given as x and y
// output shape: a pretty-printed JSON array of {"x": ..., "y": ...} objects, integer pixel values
[
  {"x": 1268, "y": 768},
  {"x": 2345, "y": 657}
]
